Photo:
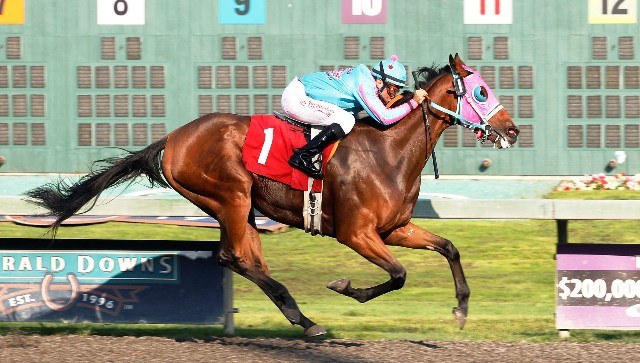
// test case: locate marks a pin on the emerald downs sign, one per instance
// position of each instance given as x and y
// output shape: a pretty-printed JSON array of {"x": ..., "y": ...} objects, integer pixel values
[{"x": 112, "y": 285}]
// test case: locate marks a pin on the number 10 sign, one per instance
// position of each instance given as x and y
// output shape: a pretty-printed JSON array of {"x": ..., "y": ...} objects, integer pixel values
[
  {"x": 364, "y": 11},
  {"x": 120, "y": 12}
]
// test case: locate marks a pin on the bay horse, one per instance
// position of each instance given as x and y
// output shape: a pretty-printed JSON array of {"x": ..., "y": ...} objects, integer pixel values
[{"x": 370, "y": 188}]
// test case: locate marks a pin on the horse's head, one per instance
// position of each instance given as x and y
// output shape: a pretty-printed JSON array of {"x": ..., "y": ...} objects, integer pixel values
[{"x": 471, "y": 104}]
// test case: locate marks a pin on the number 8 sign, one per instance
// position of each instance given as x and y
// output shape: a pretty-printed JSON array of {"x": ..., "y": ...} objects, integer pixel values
[{"x": 121, "y": 12}]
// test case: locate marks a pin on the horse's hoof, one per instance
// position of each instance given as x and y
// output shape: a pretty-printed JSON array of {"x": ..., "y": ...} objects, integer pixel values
[
  {"x": 461, "y": 316},
  {"x": 315, "y": 331},
  {"x": 340, "y": 285}
]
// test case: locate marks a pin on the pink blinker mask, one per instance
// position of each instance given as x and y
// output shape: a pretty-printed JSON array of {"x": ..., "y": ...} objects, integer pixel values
[
  {"x": 479, "y": 104},
  {"x": 476, "y": 103}
]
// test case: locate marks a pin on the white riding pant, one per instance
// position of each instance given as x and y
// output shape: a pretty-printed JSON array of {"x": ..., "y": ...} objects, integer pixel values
[{"x": 301, "y": 107}]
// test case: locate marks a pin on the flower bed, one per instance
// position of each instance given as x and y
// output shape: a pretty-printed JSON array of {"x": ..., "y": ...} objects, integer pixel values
[{"x": 618, "y": 181}]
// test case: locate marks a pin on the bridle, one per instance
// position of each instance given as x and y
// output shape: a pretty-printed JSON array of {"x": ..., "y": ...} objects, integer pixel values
[
  {"x": 460, "y": 90},
  {"x": 482, "y": 126}
]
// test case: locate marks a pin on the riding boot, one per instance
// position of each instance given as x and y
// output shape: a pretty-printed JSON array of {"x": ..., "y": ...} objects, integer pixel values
[{"x": 302, "y": 158}]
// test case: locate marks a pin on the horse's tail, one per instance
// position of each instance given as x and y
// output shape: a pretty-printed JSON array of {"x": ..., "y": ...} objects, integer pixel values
[{"x": 64, "y": 200}]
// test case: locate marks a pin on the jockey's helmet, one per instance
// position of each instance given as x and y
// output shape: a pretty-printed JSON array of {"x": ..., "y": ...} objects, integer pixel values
[{"x": 390, "y": 70}]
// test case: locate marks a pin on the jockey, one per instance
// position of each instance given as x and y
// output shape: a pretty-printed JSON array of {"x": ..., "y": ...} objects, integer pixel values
[{"x": 333, "y": 98}]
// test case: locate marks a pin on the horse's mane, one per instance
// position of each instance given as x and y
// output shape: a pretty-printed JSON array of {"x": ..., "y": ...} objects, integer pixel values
[{"x": 424, "y": 77}]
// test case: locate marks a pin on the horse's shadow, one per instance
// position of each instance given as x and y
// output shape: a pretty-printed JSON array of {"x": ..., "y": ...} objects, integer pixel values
[{"x": 424, "y": 344}]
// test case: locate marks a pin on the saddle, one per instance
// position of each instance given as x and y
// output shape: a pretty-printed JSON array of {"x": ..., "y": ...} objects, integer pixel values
[
  {"x": 306, "y": 128},
  {"x": 268, "y": 146}
]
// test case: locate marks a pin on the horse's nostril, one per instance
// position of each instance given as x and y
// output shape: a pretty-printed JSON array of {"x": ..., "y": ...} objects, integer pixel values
[{"x": 513, "y": 131}]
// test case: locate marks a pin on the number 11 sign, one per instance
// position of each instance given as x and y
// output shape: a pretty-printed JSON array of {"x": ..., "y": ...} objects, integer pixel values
[{"x": 488, "y": 11}]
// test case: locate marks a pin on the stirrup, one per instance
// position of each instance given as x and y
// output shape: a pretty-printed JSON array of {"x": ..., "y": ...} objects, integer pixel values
[{"x": 310, "y": 170}]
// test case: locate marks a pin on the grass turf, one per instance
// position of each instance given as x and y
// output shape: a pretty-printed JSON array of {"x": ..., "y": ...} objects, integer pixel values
[{"x": 509, "y": 265}]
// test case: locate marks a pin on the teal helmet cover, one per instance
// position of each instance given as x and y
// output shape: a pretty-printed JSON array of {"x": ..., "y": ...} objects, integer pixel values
[{"x": 390, "y": 70}]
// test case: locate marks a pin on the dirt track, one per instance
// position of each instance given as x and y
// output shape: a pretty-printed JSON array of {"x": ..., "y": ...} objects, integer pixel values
[{"x": 70, "y": 348}]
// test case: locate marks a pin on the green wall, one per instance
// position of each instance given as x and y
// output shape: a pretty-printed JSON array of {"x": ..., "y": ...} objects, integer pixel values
[{"x": 74, "y": 90}]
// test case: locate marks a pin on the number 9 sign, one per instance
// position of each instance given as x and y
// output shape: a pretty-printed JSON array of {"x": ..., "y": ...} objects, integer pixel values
[
  {"x": 242, "y": 11},
  {"x": 121, "y": 12}
]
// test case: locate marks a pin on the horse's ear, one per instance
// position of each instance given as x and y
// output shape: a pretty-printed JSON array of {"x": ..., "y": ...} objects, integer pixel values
[{"x": 456, "y": 64}]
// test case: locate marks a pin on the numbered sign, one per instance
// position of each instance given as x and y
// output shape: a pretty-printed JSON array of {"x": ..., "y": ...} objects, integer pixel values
[
  {"x": 613, "y": 11},
  {"x": 120, "y": 12},
  {"x": 364, "y": 11},
  {"x": 11, "y": 11},
  {"x": 242, "y": 11},
  {"x": 488, "y": 11},
  {"x": 598, "y": 286}
]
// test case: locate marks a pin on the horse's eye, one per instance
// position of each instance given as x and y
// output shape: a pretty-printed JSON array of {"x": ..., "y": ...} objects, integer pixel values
[{"x": 480, "y": 94}]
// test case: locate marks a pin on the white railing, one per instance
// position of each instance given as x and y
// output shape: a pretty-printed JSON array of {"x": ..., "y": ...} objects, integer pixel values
[{"x": 425, "y": 208}]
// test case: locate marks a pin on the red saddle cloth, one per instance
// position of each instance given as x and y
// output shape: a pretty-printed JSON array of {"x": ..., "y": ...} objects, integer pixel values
[{"x": 268, "y": 147}]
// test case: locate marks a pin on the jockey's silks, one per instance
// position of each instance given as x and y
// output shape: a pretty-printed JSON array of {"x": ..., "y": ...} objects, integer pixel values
[{"x": 353, "y": 89}]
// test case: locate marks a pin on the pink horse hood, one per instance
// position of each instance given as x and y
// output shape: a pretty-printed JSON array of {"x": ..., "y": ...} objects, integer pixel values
[{"x": 480, "y": 103}]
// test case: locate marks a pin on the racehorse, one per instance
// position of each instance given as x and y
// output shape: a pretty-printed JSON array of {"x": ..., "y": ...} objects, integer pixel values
[{"x": 370, "y": 188}]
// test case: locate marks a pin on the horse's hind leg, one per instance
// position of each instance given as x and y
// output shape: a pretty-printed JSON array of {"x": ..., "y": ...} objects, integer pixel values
[
  {"x": 412, "y": 236},
  {"x": 248, "y": 262},
  {"x": 241, "y": 252}
]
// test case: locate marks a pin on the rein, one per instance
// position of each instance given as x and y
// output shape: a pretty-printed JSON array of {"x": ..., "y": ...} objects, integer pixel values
[{"x": 436, "y": 174}]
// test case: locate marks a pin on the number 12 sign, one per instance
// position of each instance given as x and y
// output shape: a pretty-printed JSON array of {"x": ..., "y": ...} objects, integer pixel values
[
  {"x": 613, "y": 11},
  {"x": 121, "y": 12}
]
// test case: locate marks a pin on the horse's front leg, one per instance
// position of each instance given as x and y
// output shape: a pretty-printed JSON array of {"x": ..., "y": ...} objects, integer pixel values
[
  {"x": 368, "y": 244},
  {"x": 412, "y": 236}
]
